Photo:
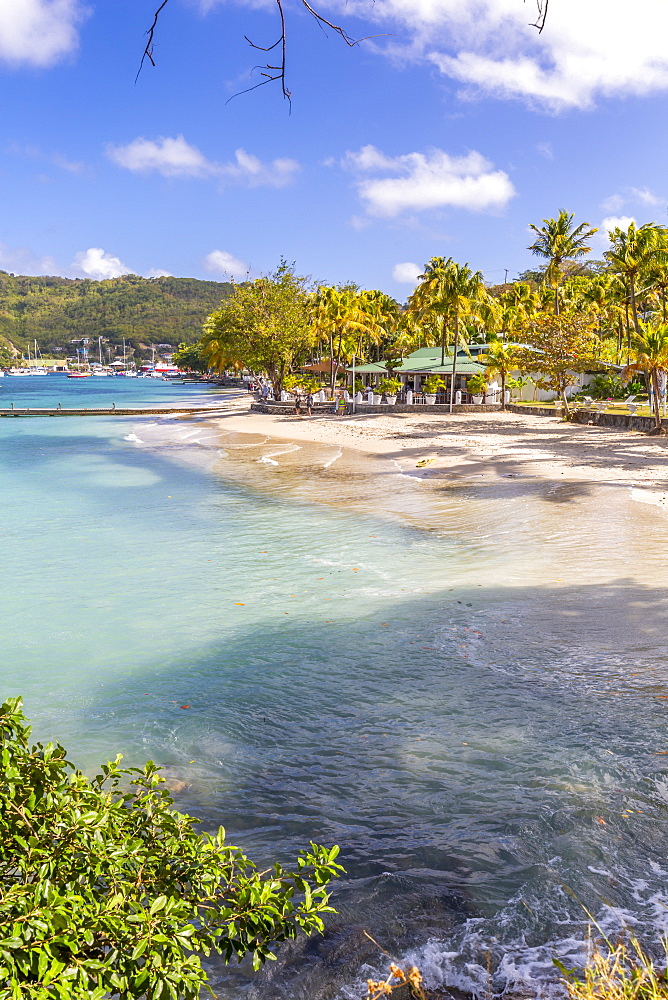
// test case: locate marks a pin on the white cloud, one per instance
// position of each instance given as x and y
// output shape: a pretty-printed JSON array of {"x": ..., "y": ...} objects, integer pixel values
[
  {"x": 39, "y": 32},
  {"x": 616, "y": 222},
  {"x": 248, "y": 169},
  {"x": 587, "y": 50},
  {"x": 615, "y": 203},
  {"x": 406, "y": 273},
  {"x": 22, "y": 260},
  {"x": 157, "y": 272},
  {"x": 32, "y": 152},
  {"x": 427, "y": 181},
  {"x": 174, "y": 157},
  {"x": 647, "y": 197},
  {"x": 97, "y": 264},
  {"x": 169, "y": 157},
  {"x": 222, "y": 262},
  {"x": 545, "y": 149}
]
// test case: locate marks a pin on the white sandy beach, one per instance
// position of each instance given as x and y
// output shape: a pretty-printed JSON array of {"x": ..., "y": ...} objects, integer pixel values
[{"x": 481, "y": 446}]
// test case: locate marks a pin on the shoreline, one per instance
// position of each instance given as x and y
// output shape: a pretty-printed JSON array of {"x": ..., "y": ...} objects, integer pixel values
[{"x": 488, "y": 447}]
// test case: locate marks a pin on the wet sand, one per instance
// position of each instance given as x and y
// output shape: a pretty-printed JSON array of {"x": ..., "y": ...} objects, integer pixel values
[{"x": 475, "y": 446}]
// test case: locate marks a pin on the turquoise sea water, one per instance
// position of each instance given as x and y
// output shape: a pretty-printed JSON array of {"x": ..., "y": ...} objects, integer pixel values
[{"x": 464, "y": 685}]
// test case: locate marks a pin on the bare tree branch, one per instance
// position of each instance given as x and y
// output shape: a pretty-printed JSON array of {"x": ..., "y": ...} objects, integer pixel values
[
  {"x": 541, "y": 18},
  {"x": 148, "y": 50},
  {"x": 271, "y": 73}
]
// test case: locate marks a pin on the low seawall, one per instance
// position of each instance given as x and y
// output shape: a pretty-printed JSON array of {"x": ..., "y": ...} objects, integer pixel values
[
  {"x": 595, "y": 418},
  {"x": 415, "y": 410}
]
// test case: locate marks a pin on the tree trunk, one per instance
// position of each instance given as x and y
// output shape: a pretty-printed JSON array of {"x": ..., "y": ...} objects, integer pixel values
[
  {"x": 634, "y": 310},
  {"x": 443, "y": 325},
  {"x": 556, "y": 294},
  {"x": 657, "y": 400},
  {"x": 331, "y": 363},
  {"x": 564, "y": 399},
  {"x": 338, "y": 354},
  {"x": 503, "y": 390},
  {"x": 454, "y": 360}
]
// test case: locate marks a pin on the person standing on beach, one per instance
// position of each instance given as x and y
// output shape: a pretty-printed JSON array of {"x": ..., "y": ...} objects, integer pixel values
[
  {"x": 298, "y": 404},
  {"x": 309, "y": 404}
]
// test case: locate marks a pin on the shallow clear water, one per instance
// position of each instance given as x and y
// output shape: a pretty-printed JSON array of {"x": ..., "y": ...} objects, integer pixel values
[
  {"x": 462, "y": 684},
  {"x": 49, "y": 390}
]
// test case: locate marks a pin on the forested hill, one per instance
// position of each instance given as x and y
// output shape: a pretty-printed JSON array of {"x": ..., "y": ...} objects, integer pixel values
[{"x": 55, "y": 311}]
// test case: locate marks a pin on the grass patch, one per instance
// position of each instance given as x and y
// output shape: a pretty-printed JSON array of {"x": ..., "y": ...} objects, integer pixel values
[{"x": 624, "y": 972}]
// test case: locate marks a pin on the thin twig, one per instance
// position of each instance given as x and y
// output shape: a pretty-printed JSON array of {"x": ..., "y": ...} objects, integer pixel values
[
  {"x": 148, "y": 50},
  {"x": 542, "y": 15},
  {"x": 380, "y": 947}
]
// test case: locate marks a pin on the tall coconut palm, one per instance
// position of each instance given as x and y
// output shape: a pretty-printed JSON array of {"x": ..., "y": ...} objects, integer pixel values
[
  {"x": 454, "y": 292},
  {"x": 635, "y": 251},
  {"x": 427, "y": 299},
  {"x": 658, "y": 276},
  {"x": 559, "y": 242},
  {"x": 650, "y": 356}
]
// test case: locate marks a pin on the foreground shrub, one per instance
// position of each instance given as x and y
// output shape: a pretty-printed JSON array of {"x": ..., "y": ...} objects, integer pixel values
[{"x": 107, "y": 890}]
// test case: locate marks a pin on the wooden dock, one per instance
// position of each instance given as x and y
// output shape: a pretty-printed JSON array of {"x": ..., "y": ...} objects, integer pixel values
[{"x": 106, "y": 411}]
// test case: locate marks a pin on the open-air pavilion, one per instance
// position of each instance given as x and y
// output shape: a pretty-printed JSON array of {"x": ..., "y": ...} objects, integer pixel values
[{"x": 414, "y": 369}]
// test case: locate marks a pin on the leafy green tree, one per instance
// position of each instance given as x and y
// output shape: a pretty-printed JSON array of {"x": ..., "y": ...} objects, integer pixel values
[
  {"x": 500, "y": 359},
  {"x": 263, "y": 326},
  {"x": 6, "y": 357},
  {"x": 105, "y": 890},
  {"x": 559, "y": 242},
  {"x": 191, "y": 357},
  {"x": 565, "y": 346}
]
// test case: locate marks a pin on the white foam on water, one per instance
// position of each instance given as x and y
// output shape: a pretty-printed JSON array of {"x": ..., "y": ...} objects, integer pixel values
[
  {"x": 256, "y": 444},
  {"x": 271, "y": 455},
  {"x": 331, "y": 461},
  {"x": 404, "y": 475},
  {"x": 132, "y": 437}
]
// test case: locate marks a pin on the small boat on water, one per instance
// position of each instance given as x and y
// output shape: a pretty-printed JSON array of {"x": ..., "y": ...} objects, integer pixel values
[
  {"x": 78, "y": 374},
  {"x": 19, "y": 372}
]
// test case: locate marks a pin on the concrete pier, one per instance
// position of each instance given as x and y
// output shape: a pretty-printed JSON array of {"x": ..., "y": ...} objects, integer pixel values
[{"x": 106, "y": 411}]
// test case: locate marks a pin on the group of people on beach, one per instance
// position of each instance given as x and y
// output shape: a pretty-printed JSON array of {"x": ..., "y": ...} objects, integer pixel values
[
  {"x": 308, "y": 402},
  {"x": 302, "y": 401}
]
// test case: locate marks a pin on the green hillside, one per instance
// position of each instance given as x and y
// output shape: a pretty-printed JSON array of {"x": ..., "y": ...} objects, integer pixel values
[{"x": 56, "y": 311}]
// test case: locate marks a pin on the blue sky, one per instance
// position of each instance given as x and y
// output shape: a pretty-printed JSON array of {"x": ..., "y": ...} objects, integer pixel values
[{"x": 446, "y": 136}]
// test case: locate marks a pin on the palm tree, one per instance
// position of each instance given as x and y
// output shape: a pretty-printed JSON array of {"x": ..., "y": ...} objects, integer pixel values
[
  {"x": 651, "y": 357},
  {"x": 344, "y": 316},
  {"x": 560, "y": 243},
  {"x": 455, "y": 293},
  {"x": 426, "y": 300},
  {"x": 635, "y": 251},
  {"x": 500, "y": 359}
]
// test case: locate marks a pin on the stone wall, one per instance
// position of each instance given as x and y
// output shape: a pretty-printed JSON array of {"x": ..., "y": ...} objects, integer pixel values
[
  {"x": 536, "y": 411},
  {"x": 622, "y": 421},
  {"x": 442, "y": 408}
]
